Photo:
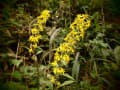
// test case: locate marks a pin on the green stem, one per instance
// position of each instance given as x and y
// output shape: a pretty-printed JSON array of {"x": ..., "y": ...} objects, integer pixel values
[{"x": 38, "y": 74}]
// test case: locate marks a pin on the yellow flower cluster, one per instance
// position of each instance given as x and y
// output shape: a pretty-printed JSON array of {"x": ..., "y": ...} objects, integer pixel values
[
  {"x": 63, "y": 52},
  {"x": 38, "y": 27},
  {"x": 53, "y": 81},
  {"x": 57, "y": 70}
]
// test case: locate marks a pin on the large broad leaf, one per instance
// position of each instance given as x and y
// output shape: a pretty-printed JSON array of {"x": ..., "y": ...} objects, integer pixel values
[{"x": 66, "y": 83}]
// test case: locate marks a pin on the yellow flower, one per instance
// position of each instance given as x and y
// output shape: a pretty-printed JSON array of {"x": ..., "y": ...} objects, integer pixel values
[
  {"x": 72, "y": 42},
  {"x": 34, "y": 45},
  {"x": 56, "y": 56},
  {"x": 39, "y": 36},
  {"x": 58, "y": 83},
  {"x": 73, "y": 33},
  {"x": 52, "y": 79},
  {"x": 54, "y": 63},
  {"x": 41, "y": 27},
  {"x": 35, "y": 24},
  {"x": 60, "y": 70},
  {"x": 78, "y": 37},
  {"x": 40, "y": 20},
  {"x": 82, "y": 33},
  {"x": 65, "y": 47},
  {"x": 72, "y": 26},
  {"x": 33, "y": 39},
  {"x": 45, "y": 13},
  {"x": 66, "y": 58},
  {"x": 87, "y": 24},
  {"x": 43, "y": 17},
  {"x": 34, "y": 31},
  {"x": 71, "y": 49},
  {"x": 30, "y": 50},
  {"x": 55, "y": 70}
]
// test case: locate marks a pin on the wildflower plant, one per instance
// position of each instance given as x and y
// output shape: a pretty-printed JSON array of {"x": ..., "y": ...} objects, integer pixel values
[
  {"x": 63, "y": 52},
  {"x": 82, "y": 60},
  {"x": 36, "y": 30}
]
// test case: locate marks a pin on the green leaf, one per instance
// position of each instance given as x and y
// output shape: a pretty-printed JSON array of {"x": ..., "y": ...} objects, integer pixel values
[
  {"x": 68, "y": 76},
  {"x": 117, "y": 54},
  {"x": 12, "y": 86},
  {"x": 93, "y": 75},
  {"x": 115, "y": 66},
  {"x": 105, "y": 52},
  {"x": 106, "y": 65},
  {"x": 76, "y": 67},
  {"x": 40, "y": 50},
  {"x": 29, "y": 71},
  {"x": 17, "y": 75},
  {"x": 16, "y": 62},
  {"x": 66, "y": 83},
  {"x": 44, "y": 82},
  {"x": 33, "y": 88},
  {"x": 9, "y": 42},
  {"x": 105, "y": 80}
]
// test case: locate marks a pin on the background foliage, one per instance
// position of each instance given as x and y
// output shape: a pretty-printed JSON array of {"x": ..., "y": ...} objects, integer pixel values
[{"x": 96, "y": 62}]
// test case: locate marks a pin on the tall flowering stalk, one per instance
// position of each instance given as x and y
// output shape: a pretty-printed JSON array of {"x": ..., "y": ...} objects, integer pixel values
[
  {"x": 38, "y": 27},
  {"x": 63, "y": 52}
]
